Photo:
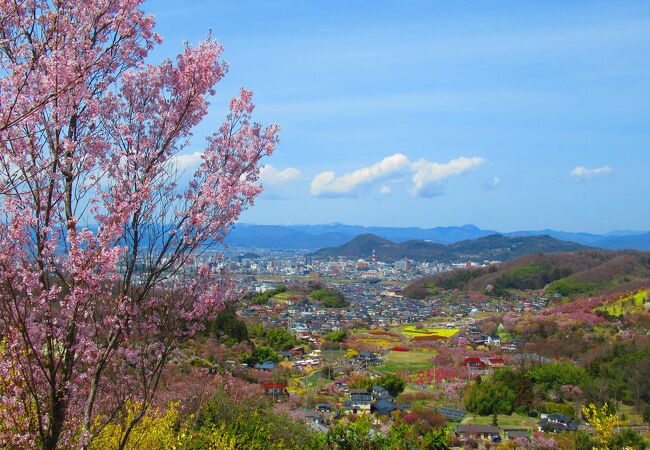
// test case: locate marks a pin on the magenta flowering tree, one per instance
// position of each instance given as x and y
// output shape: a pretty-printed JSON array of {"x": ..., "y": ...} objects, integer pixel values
[
  {"x": 98, "y": 278},
  {"x": 536, "y": 442}
]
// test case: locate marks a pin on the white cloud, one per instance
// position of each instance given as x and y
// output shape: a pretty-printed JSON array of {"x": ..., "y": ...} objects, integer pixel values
[
  {"x": 583, "y": 173},
  {"x": 494, "y": 183},
  {"x": 270, "y": 176},
  {"x": 186, "y": 161},
  {"x": 428, "y": 173},
  {"x": 385, "y": 190},
  {"x": 327, "y": 184},
  {"x": 277, "y": 183},
  {"x": 425, "y": 175}
]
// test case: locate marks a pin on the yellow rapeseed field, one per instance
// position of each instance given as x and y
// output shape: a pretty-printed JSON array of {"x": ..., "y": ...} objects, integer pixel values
[{"x": 412, "y": 331}]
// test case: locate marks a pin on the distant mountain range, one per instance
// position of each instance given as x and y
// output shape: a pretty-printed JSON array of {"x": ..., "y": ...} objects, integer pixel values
[
  {"x": 312, "y": 237},
  {"x": 488, "y": 248}
]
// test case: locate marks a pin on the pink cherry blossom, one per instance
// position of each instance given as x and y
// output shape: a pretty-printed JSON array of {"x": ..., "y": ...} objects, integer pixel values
[{"x": 99, "y": 284}]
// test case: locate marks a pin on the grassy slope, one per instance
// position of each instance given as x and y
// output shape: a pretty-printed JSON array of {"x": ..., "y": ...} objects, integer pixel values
[
  {"x": 283, "y": 297},
  {"x": 515, "y": 420},
  {"x": 628, "y": 305}
]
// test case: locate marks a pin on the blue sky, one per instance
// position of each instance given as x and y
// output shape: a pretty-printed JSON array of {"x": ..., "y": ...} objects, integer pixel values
[{"x": 507, "y": 115}]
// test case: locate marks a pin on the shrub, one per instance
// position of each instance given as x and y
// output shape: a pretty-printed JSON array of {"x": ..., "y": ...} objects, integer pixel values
[
  {"x": 560, "y": 408},
  {"x": 487, "y": 398}
]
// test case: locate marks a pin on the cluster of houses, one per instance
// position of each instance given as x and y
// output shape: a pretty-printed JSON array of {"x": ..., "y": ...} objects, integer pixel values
[
  {"x": 483, "y": 365},
  {"x": 557, "y": 423},
  {"x": 554, "y": 423},
  {"x": 274, "y": 390},
  {"x": 492, "y": 341},
  {"x": 298, "y": 357},
  {"x": 296, "y": 263},
  {"x": 375, "y": 305},
  {"x": 369, "y": 306},
  {"x": 472, "y": 432},
  {"x": 378, "y": 401}
]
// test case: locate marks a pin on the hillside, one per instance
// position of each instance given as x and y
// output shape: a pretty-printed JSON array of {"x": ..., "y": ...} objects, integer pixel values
[
  {"x": 569, "y": 274},
  {"x": 488, "y": 248},
  {"x": 502, "y": 248}
]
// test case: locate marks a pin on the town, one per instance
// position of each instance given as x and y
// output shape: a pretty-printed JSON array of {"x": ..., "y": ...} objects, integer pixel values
[{"x": 342, "y": 360}]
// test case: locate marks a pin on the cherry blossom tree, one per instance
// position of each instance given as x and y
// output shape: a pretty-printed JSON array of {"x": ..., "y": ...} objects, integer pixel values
[{"x": 99, "y": 282}]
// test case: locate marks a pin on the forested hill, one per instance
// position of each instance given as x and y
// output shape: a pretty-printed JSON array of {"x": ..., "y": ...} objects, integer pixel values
[
  {"x": 589, "y": 272},
  {"x": 488, "y": 248}
]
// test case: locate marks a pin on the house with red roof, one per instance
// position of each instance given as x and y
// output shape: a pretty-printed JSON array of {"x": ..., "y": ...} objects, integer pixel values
[{"x": 274, "y": 390}]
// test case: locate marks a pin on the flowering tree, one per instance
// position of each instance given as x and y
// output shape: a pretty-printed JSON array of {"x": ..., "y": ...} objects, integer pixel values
[
  {"x": 98, "y": 282},
  {"x": 536, "y": 442},
  {"x": 602, "y": 420}
]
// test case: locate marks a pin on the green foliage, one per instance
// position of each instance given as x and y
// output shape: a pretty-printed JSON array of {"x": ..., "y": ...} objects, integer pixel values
[
  {"x": 330, "y": 298},
  {"x": 357, "y": 435},
  {"x": 519, "y": 383},
  {"x": 646, "y": 413},
  {"x": 392, "y": 383},
  {"x": 228, "y": 324},
  {"x": 280, "y": 339},
  {"x": 584, "y": 442},
  {"x": 337, "y": 336},
  {"x": 354, "y": 436},
  {"x": 437, "y": 439},
  {"x": 567, "y": 287},
  {"x": 504, "y": 392},
  {"x": 361, "y": 383},
  {"x": 488, "y": 397},
  {"x": 259, "y": 355},
  {"x": 397, "y": 437},
  {"x": 621, "y": 373},
  {"x": 262, "y": 298},
  {"x": 555, "y": 375},
  {"x": 256, "y": 330},
  {"x": 560, "y": 408},
  {"x": 224, "y": 423},
  {"x": 628, "y": 438}
]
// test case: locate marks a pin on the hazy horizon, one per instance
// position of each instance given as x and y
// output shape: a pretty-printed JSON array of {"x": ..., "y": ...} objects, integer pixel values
[{"x": 624, "y": 232}]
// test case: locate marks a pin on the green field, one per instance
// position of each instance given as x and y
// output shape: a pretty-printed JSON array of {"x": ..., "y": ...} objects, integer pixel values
[
  {"x": 515, "y": 420},
  {"x": 412, "y": 331},
  {"x": 410, "y": 361},
  {"x": 283, "y": 297},
  {"x": 631, "y": 415}
]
